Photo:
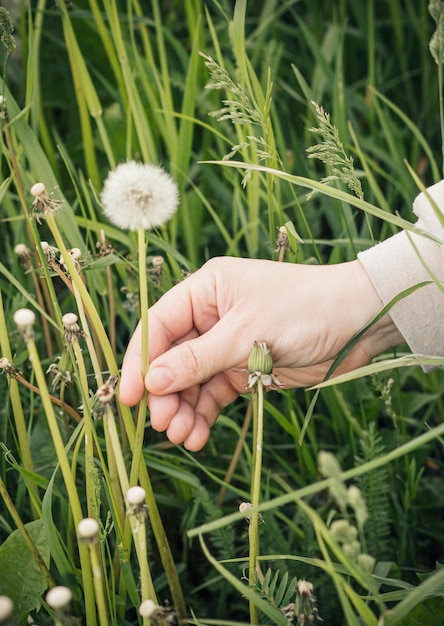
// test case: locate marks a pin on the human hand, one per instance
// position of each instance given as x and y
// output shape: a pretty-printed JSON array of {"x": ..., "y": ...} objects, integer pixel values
[{"x": 201, "y": 333}]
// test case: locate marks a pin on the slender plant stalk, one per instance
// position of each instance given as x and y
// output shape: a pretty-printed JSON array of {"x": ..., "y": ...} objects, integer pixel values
[
  {"x": 88, "y": 426},
  {"x": 71, "y": 488},
  {"x": 138, "y": 530},
  {"x": 99, "y": 587},
  {"x": 253, "y": 531},
  {"x": 145, "y": 482},
  {"x": 16, "y": 403}
]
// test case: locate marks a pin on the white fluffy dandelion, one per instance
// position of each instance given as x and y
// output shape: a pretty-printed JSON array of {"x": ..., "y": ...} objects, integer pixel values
[{"x": 138, "y": 195}]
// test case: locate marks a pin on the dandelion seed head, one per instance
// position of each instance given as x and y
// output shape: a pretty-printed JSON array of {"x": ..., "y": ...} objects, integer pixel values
[{"x": 138, "y": 195}]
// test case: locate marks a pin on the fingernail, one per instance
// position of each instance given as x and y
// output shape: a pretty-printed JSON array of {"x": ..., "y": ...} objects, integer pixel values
[{"x": 158, "y": 379}]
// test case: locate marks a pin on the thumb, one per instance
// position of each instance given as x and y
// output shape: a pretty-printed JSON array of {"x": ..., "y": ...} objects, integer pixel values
[{"x": 196, "y": 360}]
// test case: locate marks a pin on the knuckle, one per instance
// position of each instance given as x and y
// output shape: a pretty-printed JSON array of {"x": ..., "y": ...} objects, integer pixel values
[{"x": 191, "y": 363}]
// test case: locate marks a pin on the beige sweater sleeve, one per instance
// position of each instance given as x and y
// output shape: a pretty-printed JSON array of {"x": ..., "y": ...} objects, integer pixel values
[{"x": 407, "y": 259}]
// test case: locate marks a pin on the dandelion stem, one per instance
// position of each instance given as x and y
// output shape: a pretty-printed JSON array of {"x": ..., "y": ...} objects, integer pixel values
[
  {"x": 99, "y": 588},
  {"x": 253, "y": 534},
  {"x": 143, "y": 287},
  {"x": 71, "y": 488},
  {"x": 16, "y": 403}
]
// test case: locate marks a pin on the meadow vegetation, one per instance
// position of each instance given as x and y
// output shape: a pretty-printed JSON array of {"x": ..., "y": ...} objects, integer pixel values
[{"x": 319, "y": 121}]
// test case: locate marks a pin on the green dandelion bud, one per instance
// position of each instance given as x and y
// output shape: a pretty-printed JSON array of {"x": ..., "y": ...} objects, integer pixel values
[{"x": 260, "y": 359}]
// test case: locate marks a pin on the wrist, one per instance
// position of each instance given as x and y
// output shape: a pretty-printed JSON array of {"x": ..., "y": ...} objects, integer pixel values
[{"x": 383, "y": 334}]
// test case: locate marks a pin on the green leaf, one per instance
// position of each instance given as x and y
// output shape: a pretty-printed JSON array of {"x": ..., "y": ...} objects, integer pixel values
[
  {"x": 20, "y": 576},
  {"x": 430, "y": 613}
]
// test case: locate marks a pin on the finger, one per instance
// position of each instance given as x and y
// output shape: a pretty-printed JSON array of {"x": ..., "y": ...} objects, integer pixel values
[
  {"x": 164, "y": 408},
  {"x": 198, "y": 360},
  {"x": 188, "y": 306},
  {"x": 198, "y": 437},
  {"x": 215, "y": 395},
  {"x": 132, "y": 386}
]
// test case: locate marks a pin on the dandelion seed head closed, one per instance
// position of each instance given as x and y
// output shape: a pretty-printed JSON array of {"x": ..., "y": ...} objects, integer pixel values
[{"x": 138, "y": 195}]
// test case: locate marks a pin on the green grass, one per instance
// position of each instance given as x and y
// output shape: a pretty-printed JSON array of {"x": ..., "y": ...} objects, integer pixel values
[{"x": 111, "y": 80}]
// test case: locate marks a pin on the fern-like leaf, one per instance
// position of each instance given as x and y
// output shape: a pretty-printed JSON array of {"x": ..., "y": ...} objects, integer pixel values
[{"x": 373, "y": 486}]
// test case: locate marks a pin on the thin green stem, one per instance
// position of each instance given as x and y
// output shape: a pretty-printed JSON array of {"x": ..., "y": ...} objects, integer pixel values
[
  {"x": 143, "y": 287},
  {"x": 258, "y": 437},
  {"x": 68, "y": 478},
  {"x": 99, "y": 588},
  {"x": 16, "y": 403}
]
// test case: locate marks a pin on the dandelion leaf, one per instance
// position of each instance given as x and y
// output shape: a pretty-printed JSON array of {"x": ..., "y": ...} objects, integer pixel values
[{"x": 20, "y": 576}]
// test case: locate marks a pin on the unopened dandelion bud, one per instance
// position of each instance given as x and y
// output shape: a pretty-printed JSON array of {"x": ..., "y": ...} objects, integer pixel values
[
  {"x": 366, "y": 561},
  {"x": 6, "y": 608},
  {"x": 260, "y": 359},
  {"x": 148, "y": 609},
  {"x": 58, "y": 598},
  {"x": 88, "y": 530},
  {"x": 137, "y": 195},
  {"x": 358, "y": 504}
]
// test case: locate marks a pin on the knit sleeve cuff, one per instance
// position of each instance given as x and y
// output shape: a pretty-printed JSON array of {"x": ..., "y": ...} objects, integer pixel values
[{"x": 405, "y": 260}]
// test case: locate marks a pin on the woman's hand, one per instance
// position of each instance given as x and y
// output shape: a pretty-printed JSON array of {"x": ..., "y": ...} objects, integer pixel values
[{"x": 201, "y": 333}]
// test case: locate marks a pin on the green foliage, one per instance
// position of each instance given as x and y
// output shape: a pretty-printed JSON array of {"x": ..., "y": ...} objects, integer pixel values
[
  {"x": 21, "y": 578},
  {"x": 184, "y": 84},
  {"x": 374, "y": 488}
]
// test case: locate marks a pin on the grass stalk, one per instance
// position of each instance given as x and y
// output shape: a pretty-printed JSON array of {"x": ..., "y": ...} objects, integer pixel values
[
  {"x": 75, "y": 506},
  {"x": 16, "y": 403}
]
